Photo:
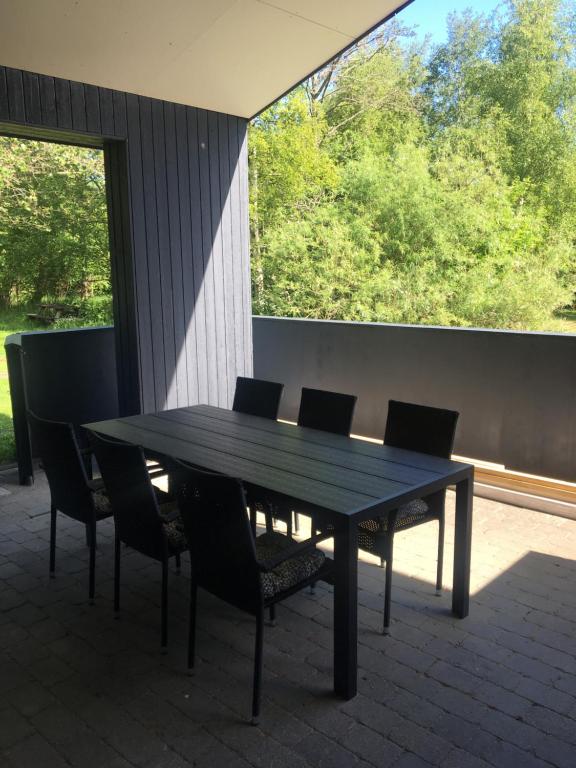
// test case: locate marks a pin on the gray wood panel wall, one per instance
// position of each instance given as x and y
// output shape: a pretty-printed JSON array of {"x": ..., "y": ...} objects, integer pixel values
[
  {"x": 516, "y": 392},
  {"x": 178, "y": 217}
]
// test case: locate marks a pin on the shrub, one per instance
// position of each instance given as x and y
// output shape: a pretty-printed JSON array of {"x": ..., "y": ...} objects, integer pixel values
[{"x": 94, "y": 311}]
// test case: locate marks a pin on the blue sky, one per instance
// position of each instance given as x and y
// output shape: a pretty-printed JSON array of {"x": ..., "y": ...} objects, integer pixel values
[{"x": 430, "y": 15}]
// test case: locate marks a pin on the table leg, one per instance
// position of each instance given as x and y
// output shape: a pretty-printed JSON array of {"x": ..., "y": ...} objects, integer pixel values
[
  {"x": 346, "y": 610},
  {"x": 462, "y": 547}
]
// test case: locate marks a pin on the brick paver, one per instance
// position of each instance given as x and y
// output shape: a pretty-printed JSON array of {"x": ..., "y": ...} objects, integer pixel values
[{"x": 79, "y": 688}]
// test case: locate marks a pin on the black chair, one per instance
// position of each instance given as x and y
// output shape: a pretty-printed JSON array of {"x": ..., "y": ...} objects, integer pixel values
[
  {"x": 426, "y": 430},
  {"x": 323, "y": 410},
  {"x": 145, "y": 518},
  {"x": 328, "y": 411},
  {"x": 72, "y": 491},
  {"x": 250, "y": 573},
  {"x": 257, "y": 397}
]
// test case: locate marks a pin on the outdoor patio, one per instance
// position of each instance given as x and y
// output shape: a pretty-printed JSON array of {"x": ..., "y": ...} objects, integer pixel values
[{"x": 80, "y": 688}]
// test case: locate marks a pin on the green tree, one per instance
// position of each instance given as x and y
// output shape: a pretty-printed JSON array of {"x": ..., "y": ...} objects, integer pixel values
[
  {"x": 406, "y": 187},
  {"x": 53, "y": 225},
  {"x": 290, "y": 174}
]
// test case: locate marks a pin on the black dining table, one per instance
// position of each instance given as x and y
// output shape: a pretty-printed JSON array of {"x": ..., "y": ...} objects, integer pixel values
[{"x": 346, "y": 480}]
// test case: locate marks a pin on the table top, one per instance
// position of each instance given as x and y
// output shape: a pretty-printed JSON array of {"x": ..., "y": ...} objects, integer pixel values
[{"x": 344, "y": 475}]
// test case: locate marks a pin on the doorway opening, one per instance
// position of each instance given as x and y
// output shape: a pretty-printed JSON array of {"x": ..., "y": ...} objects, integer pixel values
[{"x": 55, "y": 266}]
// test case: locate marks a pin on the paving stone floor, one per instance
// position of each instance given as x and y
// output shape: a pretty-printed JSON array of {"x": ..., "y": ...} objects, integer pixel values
[{"x": 79, "y": 688}]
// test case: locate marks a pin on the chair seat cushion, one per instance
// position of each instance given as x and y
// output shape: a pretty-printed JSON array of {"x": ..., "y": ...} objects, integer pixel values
[
  {"x": 174, "y": 531},
  {"x": 411, "y": 513},
  {"x": 408, "y": 515},
  {"x": 291, "y": 572},
  {"x": 101, "y": 504},
  {"x": 173, "y": 526}
]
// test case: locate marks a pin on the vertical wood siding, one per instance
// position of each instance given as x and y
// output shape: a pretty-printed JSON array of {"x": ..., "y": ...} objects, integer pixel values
[{"x": 177, "y": 190}]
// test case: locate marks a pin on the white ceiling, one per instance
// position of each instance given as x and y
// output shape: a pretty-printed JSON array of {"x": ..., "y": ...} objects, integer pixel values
[{"x": 233, "y": 56}]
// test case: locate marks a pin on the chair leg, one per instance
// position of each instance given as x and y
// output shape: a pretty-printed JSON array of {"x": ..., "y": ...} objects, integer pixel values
[
  {"x": 192, "y": 624},
  {"x": 92, "y": 572},
  {"x": 272, "y": 616},
  {"x": 258, "y": 667},
  {"x": 178, "y": 562},
  {"x": 52, "y": 541},
  {"x": 253, "y": 513},
  {"x": 269, "y": 520},
  {"x": 164, "y": 641},
  {"x": 117, "y": 551},
  {"x": 439, "y": 567},
  {"x": 289, "y": 523},
  {"x": 296, "y": 522},
  {"x": 314, "y": 531},
  {"x": 388, "y": 585}
]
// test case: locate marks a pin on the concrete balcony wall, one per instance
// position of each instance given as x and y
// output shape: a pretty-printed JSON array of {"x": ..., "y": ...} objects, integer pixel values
[{"x": 516, "y": 392}]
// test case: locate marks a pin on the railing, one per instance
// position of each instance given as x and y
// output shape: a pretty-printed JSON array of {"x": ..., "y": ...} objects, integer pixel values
[{"x": 516, "y": 392}]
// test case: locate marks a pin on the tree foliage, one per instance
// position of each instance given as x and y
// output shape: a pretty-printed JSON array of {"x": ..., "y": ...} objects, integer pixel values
[
  {"x": 53, "y": 224},
  {"x": 407, "y": 185},
  {"x": 400, "y": 184}
]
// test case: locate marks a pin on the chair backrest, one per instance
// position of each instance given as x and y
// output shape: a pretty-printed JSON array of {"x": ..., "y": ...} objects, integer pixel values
[
  {"x": 131, "y": 494},
  {"x": 421, "y": 428},
  {"x": 62, "y": 461},
  {"x": 329, "y": 411},
  {"x": 223, "y": 555},
  {"x": 257, "y": 397}
]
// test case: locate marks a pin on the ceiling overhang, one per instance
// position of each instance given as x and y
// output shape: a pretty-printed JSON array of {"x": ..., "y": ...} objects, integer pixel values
[{"x": 233, "y": 56}]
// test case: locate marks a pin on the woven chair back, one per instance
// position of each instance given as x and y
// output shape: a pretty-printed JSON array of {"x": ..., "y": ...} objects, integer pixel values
[
  {"x": 223, "y": 555},
  {"x": 328, "y": 411},
  {"x": 57, "y": 446},
  {"x": 421, "y": 428},
  {"x": 257, "y": 397},
  {"x": 131, "y": 494}
]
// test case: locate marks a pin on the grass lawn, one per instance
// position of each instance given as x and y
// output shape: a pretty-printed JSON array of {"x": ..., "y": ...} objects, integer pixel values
[{"x": 568, "y": 321}]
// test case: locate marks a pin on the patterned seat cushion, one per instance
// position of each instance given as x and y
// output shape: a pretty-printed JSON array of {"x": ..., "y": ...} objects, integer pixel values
[
  {"x": 102, "y": 504},
  {"x": 174, "y": 530},
  {"x": 173, "y": 526},
  {"x": 411, "y": 513},
  {"x": 408, "y": 515},
  {"x": 292, "y": 571},
  {"x": 169, "y": 512}
]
